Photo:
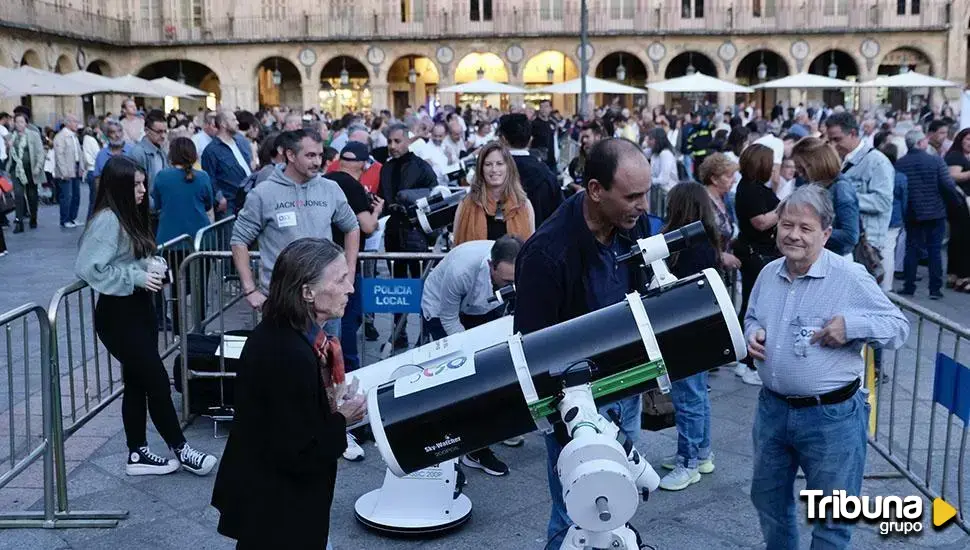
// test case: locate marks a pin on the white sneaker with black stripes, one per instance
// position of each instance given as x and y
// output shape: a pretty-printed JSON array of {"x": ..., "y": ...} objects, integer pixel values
[{"x": 143, "y": 462}]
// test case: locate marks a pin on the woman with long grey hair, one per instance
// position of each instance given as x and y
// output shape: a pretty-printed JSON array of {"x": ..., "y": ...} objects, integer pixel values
[{"x": 275, "y": 485}]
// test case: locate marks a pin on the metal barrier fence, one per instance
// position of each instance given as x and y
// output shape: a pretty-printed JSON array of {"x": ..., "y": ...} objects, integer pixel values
[
  {"x": 62, "y": 350},
  {"x": 93, "y": 379},
  {"x": 26, "y": 447},
  {"x": 202, "y": 273},
  {"x": 230, "y": 311},
  {"x": 71, "y": 355},
  {"x": 215, "y": 236},
  {"x": 926, "y": 376}
]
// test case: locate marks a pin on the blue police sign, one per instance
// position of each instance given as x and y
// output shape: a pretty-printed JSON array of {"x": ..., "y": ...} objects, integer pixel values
[{"x": 392, "y": 295}]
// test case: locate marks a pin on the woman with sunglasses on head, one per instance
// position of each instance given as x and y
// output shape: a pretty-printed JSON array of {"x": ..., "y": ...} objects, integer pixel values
[{"x": 116, "y": 259}]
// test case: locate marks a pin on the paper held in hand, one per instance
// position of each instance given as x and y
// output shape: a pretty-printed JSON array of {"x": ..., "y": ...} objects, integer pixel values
[{"x": 233, "y": 346}]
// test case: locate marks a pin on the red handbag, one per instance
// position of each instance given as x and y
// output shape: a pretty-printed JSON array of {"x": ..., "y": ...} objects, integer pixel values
[{"x": 7, "y": 198}]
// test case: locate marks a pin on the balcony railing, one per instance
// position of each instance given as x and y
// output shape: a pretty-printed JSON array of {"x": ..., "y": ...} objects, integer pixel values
[{"x": 660, "y": 17}]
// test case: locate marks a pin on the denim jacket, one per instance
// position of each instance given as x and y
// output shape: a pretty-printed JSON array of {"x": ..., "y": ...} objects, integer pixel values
[
  {"x": 845, "y": 226},
  {"x": 872, "y": 177},
  {"x": 227, "y": 176}
]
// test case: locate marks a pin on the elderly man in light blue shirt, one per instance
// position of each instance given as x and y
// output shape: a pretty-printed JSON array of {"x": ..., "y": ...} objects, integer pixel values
[{"x": 810, "y": 313}]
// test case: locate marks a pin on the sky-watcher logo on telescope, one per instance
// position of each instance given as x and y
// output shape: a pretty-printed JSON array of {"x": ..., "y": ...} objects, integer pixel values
[{"x": 442, "y": 446}]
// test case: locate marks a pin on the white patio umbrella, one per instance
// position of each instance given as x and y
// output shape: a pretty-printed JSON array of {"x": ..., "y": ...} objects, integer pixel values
[
  {"x": 177, "y": 89},
  {"x": 804, "y": 81},
  {"x": 911, "y": 79},
  {"x": 103, "y": 84},
  {"x": 593, "y": 86},
  {"x": 483, "y": 86},
  {"x": 698, "y": 83},
  {"x": 140, "y": 86},
  {"x": 30, "y": 81}
]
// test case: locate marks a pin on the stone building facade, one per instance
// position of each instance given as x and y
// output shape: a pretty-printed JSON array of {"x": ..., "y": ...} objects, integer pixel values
[{"x": 345, "y": 54}]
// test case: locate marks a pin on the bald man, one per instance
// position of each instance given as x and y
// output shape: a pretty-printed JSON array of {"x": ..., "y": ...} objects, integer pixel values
[{"x": 569, "y": 268}]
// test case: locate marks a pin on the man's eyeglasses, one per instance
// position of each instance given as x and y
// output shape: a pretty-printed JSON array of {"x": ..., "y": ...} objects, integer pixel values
[{"x": 158, "y": 131}]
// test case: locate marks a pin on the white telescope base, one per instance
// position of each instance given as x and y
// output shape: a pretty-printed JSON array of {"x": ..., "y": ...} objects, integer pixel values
[
  {"x": 420, "y": 503},
  {"x": 622, "y": 538}
]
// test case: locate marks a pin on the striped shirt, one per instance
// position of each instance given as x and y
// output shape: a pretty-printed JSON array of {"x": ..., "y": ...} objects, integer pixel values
[{"x": 791, "y": 310}]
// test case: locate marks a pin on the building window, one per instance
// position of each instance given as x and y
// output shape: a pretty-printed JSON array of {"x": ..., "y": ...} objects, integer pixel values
[
  {"x": 481, "y": 10},
  {"x": 622, "y": 9},
  {"x": 412, "y": 11},
  {"x": 692, "y": 9},
  {"x": 274, "y": 9},
  {"x": 836, "y": 7},
  {"x": 151, "y": 10},
  {"x": 550, "y": 10},
  {"x": 192, "y": 12},
  {"x": 913, "y": 7},
  {"x": 763, "y": 8}
]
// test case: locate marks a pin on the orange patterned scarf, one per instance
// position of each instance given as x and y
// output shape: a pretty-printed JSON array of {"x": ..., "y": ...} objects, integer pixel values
[
  {"x": 473, "y": 225},
  {"x": 331, "y": 360}
]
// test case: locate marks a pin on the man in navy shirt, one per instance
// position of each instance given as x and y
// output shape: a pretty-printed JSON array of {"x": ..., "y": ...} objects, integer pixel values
[{"x": 569, "y": 268}]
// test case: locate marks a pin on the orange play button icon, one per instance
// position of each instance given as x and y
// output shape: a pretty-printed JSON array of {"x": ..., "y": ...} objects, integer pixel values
[{"x": 942, "y": 512}]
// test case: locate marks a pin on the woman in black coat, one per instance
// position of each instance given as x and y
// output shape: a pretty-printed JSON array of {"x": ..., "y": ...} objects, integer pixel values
[{"x": 275, "y": 483}]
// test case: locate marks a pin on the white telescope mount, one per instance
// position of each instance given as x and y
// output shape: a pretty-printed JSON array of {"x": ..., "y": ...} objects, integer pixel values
[{"x": 602, "y": 481}]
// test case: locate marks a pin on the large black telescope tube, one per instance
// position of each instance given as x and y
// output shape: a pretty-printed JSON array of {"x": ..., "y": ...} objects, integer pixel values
[{"x": 418, "y": 422}]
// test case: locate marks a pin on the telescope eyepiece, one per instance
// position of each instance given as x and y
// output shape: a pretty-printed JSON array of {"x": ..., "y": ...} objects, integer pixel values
[
  {"x": 685, "y": 237},
  {"x": 676, "y": 240}
]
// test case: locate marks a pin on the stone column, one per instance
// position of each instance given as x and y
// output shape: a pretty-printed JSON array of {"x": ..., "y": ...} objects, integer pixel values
[
  {"x": 240, "y": 95},
  {"x": 311, "y": 94},
  {"x": 378, "y": 94},
  {"x": 516, "y": 100},
  {"x": 725, "y": 100},
  {"x": 44, "y": 111},
  {"x": 654, "y": 98}
]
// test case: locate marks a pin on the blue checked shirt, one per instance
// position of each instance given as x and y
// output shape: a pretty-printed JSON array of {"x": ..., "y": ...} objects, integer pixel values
[{"x": 790, "y": 311}]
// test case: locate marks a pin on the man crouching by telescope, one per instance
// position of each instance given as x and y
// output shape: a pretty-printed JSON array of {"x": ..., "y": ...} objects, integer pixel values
[
  {"x": 569, "y": 268},
  {"x": 459, "y": 294}
]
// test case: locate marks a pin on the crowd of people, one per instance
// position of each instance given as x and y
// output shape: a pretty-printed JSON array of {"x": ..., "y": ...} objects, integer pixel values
[{"x": 808, "y": 202}]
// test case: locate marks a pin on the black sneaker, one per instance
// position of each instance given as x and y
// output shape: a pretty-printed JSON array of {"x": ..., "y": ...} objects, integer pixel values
[
  {"x": 143, "y": 462},
  {"x": 936, "y": 295},
  {"x": 370, "y": 332},
  {"x": 197, "y": 462},
  {"x": 486, "y": 461}
]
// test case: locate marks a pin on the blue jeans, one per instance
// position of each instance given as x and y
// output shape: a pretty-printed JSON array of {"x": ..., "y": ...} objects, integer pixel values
[
  {"x": 628, "y": 410},
  {"x": 692, "y": 413},
  {"x": 924, "y": 238},
  {"x": 828, "y": 442},
  {"x": 92, "y": 193},
  {"x": 69, "y": 198},
  {"x": 349, "y": 325}
]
